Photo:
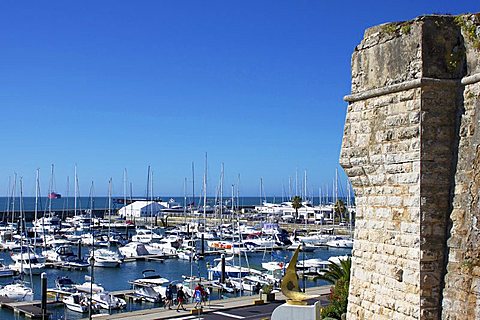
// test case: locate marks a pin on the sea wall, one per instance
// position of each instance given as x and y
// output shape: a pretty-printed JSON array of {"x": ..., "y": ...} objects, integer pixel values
[{"x": 409, "y": 149}]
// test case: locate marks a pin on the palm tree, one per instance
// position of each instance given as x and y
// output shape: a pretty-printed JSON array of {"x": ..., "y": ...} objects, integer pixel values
[
  {"x": 296, "y": 204},
  {"x": 340, "y": 209},
  {"x": 337, "y": 272},
  {"x": 339, "y": 276}
]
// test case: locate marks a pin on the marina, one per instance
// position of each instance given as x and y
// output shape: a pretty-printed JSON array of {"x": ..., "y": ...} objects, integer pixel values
[{"x": 137, "y": 257}]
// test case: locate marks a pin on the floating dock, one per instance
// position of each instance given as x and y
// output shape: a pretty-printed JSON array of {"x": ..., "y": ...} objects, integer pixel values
[{"x": 30, "y": 309}]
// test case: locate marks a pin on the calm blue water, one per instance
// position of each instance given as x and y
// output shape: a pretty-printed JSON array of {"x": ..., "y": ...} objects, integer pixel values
[{"x": 117, "y": 278}]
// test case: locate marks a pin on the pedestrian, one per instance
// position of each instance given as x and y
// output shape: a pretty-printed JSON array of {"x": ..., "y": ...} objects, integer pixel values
[
  {"x": 198, "y": 295},
  {"x": 168, "y": 297},
  {"x": 180, "y": 298},
  {"x": 206, "y": 295}
]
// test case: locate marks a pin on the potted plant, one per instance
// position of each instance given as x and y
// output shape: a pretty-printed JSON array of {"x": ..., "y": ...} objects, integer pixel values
[{"x": 267, "y": 290}]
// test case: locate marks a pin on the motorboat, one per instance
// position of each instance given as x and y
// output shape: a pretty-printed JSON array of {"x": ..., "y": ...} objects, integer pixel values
[
  {"x": 255, "y": 242},
  {"x": 134, "y": 249},
  {"x": 147, "y": 293},
  {"x": 55, "y": 241},
  {"x": 227, "y": 286},
  {"x": 88, "y": 286},
  {"x": 80, "y": 222},
  {"x": 150, "y": 278},
  {"x": 312, "y": 267},
  {"x": 249, "y": 283},
  {"x": 64, "y": 254},
  {"x": 106, "y": 300},
  {"x": 340, "y": 242},
  {"x": 106, "y": 258},
  {"x": 304, "y": 246},
  {"x": 167, "y": 245},
  {"x": 26, "y": 265},
  {"x": 17, "y": 291},
  {"x": 26, "y": 252},
  {"x": 151, "y": 287},
  {"x": 65, "y": 284},
  {"x": 78, "y": 302},
  {"x": 316, "y": 239},
  {"x": 47, "y": 224},
  {"x": 146, "y": 236},
  {"x": 230, "y": 270},
  {"x": 9, "y": 240}
]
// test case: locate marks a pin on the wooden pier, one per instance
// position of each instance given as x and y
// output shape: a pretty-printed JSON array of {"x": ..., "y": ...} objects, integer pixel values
[{"x": 30, "y": 309}]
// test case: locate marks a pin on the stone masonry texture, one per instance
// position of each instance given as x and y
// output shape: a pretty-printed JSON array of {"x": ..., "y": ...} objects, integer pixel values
[{"x": 411, "y": 151}]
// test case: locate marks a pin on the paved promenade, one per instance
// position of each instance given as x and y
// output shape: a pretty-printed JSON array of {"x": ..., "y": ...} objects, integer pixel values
[{"x": 213, "y": 309}]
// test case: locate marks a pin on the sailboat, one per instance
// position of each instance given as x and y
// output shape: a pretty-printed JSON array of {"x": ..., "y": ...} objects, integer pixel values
[
  {"x": 106, "y": 257},
  {"x": 19, "y": 291}
]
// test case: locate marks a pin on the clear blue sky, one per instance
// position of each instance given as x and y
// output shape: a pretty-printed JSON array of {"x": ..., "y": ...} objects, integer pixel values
[{"x": 110, "y": 85}]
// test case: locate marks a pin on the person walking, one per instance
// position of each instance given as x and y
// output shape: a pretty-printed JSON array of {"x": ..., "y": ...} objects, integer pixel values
[
  {"x": 168, "y": 297},
  {"x": 180, "y": 298},
  {"x": 198, "y": 295}
]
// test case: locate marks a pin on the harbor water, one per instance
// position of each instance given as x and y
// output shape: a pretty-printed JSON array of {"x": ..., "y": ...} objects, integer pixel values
[{"x": 113, "y": 279}]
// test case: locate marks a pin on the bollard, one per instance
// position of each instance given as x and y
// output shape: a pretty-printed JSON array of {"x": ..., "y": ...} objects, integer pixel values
[
  {"x": 203, "y": 245},
  {"x": 79, "y": 253},
  {"x": 44, "y": 294},
  {"x": 222, "y": 276}
]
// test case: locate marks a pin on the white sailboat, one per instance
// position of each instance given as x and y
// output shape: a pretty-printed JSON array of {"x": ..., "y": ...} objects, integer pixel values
[{"x": 19, "y": 291}]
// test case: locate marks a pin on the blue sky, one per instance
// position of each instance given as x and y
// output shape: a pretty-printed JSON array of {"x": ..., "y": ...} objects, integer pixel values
[{"x": 109, "y": 85}]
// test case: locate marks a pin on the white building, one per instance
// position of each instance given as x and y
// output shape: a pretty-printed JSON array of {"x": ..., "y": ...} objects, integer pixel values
[{"x": 139, "y": 209}]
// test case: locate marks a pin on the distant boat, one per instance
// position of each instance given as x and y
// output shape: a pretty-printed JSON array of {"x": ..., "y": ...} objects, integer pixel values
[{"x": 54, "y": 195}]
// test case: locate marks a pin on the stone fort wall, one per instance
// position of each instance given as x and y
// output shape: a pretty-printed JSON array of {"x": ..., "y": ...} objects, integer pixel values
[{"x": 410, "y": 149}]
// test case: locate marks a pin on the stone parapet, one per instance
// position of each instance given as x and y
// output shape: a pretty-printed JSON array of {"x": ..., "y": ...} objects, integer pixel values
[{"x": 410, "y": 151}]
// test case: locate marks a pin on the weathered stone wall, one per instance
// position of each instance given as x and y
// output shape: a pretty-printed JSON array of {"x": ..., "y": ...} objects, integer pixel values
[
  {"x": 461, "y": 296},
  {"x": 407, "y": 147}
]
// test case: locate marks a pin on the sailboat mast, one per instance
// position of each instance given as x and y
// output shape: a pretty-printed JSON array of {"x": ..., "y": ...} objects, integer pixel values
[
  {"x": 205, "y": 194},
  {"x": 261, "y": 190},
  {"x": 125, "y": 186},
  {"x": 109, "y": 209},
  {"x": 305, "y": 186},
  {"x": 75, "y": 178},
  {"x": 221, "y": 194},
  {"x": 185, "y": 199},
  {"x": 36, "y": 206},
  {"x": 193, "y": 186}
]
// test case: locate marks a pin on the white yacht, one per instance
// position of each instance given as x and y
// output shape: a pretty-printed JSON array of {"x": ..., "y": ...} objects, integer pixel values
[
  {"x": 88, "y": 286},
  {"x": 26, "y": 260},
  {"x": 256, "y": 242},
  {"x": 106, "y": 258},
  {"x": 230, "y": 270},
  {"x": 134, "y": 249},
  {"x": 77, "y": 302},
  {"x": 150, "y": 287},
  {"x": 167, "y": 245},
  {"x": 64, "y": 254},
  {"x": 17, "y": 291},
  {"x": 340, "y": 242},
  {"x": 47, "y": 224},
  {"x": 106, "y": 300}
]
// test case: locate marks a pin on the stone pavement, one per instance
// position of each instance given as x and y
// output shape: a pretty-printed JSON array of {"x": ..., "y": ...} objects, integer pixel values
[{"x": 212, "y": 306}]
